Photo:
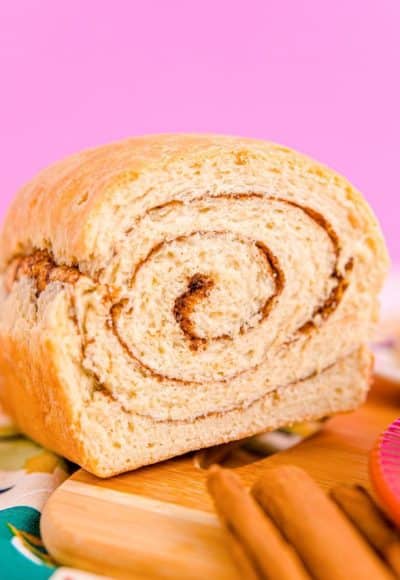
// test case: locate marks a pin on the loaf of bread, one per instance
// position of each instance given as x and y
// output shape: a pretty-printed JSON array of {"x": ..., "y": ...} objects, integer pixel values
[{"x": 168, "y": 293}]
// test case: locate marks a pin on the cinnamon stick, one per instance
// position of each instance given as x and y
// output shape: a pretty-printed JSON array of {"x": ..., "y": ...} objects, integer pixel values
[
  {"x": 331, "y": 548},
  {"x": 380, "y": 532},
  {"x": 246, "y": 567},
  {"x": 216, "y": 455},
  {"x": 261, "y": 551}
]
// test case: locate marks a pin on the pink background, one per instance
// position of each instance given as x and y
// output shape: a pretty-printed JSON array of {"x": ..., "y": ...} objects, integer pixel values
[{"x": 321, "y": 76}]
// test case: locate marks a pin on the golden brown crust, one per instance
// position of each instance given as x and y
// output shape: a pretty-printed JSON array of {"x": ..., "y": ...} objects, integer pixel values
[
  {"x": 45, "y": 413},
  {"x": 55, "y": 210},
  {"x": 48, "y": 236},
  {"x": 63, "y": 196}
]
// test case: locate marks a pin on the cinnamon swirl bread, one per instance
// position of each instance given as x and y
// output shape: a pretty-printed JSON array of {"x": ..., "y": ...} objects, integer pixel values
[{"x": 168, "y": 293}]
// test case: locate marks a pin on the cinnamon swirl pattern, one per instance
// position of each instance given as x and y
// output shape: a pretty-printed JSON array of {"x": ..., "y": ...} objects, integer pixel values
[{"x": 230, "y": 292}]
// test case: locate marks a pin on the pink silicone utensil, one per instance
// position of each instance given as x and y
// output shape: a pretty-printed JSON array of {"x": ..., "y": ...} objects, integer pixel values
[{"x": 385, "y": 470}]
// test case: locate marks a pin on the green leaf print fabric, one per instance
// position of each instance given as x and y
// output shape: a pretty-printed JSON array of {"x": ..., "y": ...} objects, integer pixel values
[{"x": 28, "y": 475}]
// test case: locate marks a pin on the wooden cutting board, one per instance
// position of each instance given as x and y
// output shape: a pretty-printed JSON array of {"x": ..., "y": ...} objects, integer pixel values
[{"x": 158, "y": 522}]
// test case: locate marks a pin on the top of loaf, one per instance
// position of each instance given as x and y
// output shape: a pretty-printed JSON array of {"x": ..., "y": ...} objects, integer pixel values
[{"x": 73, "y": 208}]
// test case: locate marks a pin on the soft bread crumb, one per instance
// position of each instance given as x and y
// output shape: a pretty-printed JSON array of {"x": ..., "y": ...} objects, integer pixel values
[{"x": 126, "y": 360}]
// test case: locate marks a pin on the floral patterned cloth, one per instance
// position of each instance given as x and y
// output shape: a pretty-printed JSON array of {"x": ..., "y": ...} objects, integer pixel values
[{"x": 28, "y": 475}]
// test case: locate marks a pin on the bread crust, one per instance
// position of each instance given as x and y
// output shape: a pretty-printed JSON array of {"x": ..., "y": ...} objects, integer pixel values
[
  {"x": 52, "y": 240},
  {"x": 45, "y": 413},
  {"x": 56, "y": 209}
]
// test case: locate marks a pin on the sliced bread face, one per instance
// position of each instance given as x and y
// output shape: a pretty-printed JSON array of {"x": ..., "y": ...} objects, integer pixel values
[{"x": 172, "y": 292}]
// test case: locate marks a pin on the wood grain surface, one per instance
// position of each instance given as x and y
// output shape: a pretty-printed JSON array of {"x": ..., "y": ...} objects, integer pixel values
[{"x": 159, "y": 522}]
